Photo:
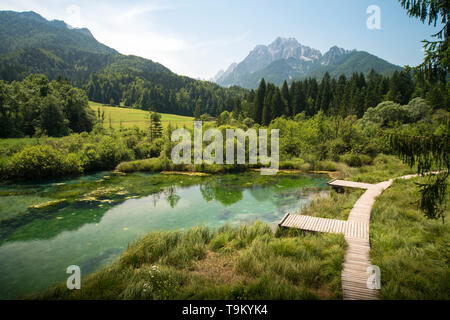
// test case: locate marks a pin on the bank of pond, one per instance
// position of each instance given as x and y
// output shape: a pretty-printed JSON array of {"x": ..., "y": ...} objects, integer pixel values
[{"x": 88, "y": 221}]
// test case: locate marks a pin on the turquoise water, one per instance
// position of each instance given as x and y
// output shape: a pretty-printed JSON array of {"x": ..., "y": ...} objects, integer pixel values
[{"x": 99, "y": 215}]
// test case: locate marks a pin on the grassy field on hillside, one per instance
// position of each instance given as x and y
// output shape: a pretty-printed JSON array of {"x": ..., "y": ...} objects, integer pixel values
[{"x": 136, "y": 117}]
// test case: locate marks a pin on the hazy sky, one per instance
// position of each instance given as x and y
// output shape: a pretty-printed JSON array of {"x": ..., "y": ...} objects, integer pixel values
[{"x": 199, "y": 37}]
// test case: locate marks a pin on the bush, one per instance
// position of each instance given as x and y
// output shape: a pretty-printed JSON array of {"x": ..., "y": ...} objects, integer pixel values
[
  {"x": 388, "y": 113},
  {"x": 145, "y": 149},
  {"x": 37, "y": 162},
  {"x": 292, "y": 164},
  {"x": 325, "y": 166},
  {"x": 105, "y": 154},
  {"x": 147, "y": 165},
  {"x": 356, "y": 160},
  {"x": 3, "y": 168}
]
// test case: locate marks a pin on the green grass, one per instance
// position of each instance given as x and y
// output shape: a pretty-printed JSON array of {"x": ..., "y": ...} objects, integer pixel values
[
  {"x": 249, "y": 262},
  {"x": 412, "y": 251},
  {"x": 252, "y": 263},
  {"x": 10, "y": 146},
  {"x": 384, "y": 167},
  {"x": 336, "y": 206},
  {"x": 136, "y": 117}
]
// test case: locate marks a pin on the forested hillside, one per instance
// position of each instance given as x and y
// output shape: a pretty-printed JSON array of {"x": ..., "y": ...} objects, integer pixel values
[
  {"x": 33, "y": 45},
  {"x": 342, "y": 97},
  {"x": 36, "y": 106}
]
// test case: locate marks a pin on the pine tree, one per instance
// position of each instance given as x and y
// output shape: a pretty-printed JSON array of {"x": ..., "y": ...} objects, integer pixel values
[
  {"x": 437, "y": 58},
  {"x": 401, "y": 87},
  {"x": 237, "y": 108},
  {"x": 298, "y": 98},
  {"x": 197, "y": 112},
  {"x": 259, "y": 101},
  {"x": 155, "y": 126},
  {"x": 278, "y": 106},
  {"x": 287, "y": 99},
  {"x": 325, "y": 95},
  {"x": 429, "y": 152},
  {"x": 267, "y": 107},
  {"x": 372, "y": 98},
  {"x": 338, "y": 96}
]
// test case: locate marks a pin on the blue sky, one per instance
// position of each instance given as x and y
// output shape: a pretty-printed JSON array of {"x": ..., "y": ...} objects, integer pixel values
[{"x": 199, "y": 37}]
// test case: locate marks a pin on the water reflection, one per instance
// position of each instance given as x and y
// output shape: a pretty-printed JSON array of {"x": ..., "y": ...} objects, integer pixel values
[{"x": 93, "y": 220}]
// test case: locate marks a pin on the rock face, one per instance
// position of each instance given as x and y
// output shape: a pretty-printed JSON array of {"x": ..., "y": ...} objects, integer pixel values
[
  {"x": 222, "y": 74},
  {"x": 286, "y": 59},
  {"x": 333, "y": 55}
]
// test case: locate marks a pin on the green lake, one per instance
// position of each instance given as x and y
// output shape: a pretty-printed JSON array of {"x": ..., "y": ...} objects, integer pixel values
[{"x": 89, "y": 221}]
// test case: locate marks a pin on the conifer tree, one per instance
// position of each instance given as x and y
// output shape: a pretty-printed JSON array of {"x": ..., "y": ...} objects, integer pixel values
[
  {"x": 429, "y": 152},
  {"x": 259, "y": 101},
  {"x": 278, "y": 105},
  {"x": 156, "y": 126},
  {"x": 287, "y": 98},
  {"x": 267, "y": 107},
  {"x": 437, "y": 59}
]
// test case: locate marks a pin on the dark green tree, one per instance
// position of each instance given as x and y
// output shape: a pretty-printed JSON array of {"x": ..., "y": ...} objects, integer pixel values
[
  {"x": 259, "y": 101},
  {"x": 267, "y": 109},
  {"x": 287, "y": 98},
  {"x": 155, "y": 126},
  {"x": 51, "y": 120},
  {"x": 278, "y": 106},
  {"x": 436, "y": 62},
  {"x": 429, "y": 152}
]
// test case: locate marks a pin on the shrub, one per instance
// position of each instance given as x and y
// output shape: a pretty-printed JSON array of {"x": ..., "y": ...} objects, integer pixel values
[
  {"x": 292, "y": 164},
  {"x": 142, "y": 150},
  {"x": 356, "y": 160},
  {"x": 338, "y": 146},
  {"x": 326, "y": 166},
  {"x": 3, "y": 168},
  {"x": 111, "y": 152},
  {"x": 147, "y": 165},
  {"x": 37, "y": 162},
  {"x": 351, "y": 159}
]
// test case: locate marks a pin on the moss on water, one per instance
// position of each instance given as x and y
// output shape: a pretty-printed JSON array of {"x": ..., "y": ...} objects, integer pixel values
[
  {"x": 49, "y": 205},
  {"x": 91, "y": 220}
]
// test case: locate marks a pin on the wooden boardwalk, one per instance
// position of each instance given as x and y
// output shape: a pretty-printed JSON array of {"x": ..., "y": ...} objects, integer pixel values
[{"x": 355, "y": 272}]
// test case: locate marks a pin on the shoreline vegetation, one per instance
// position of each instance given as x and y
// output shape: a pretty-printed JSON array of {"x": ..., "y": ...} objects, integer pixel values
[
  {"x": 253, "y": 262},
  {"x": 363, "y": 125}
]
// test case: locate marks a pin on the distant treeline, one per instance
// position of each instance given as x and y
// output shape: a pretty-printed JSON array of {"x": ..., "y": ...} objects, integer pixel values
[
  {"x": 36, "y": 106},
  {"x": 340, "y": 96},
  {"x": 161, "y": 92}
]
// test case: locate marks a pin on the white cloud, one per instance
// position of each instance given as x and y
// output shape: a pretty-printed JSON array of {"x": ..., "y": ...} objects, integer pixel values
[
  {"x": 73, "y": 17},
  {"x": 136, "y": 11},
  {"x": 131, "y": 28}
]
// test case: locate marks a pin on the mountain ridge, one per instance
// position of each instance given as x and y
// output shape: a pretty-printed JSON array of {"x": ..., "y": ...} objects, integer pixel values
[
  {"x": 33, "y": 45},
  {"x": 287, "y": 59}
]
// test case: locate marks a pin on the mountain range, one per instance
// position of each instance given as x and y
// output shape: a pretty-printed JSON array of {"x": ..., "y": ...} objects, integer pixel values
[
  {"x": 287, "y": 59},
  {"x": 32, "y": 44}
]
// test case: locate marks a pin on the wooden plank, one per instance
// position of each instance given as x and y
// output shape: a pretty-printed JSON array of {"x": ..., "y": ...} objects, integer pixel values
[
  {"x": 350, "y": 184},
  {"x": 357, "y": 233}
]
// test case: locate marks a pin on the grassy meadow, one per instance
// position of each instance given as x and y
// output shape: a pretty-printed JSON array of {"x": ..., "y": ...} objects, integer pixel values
[
  {"x": 249, "y": 262},
  {"x": 136, "y": 117},
  {"x": 413, "y": 252}
]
